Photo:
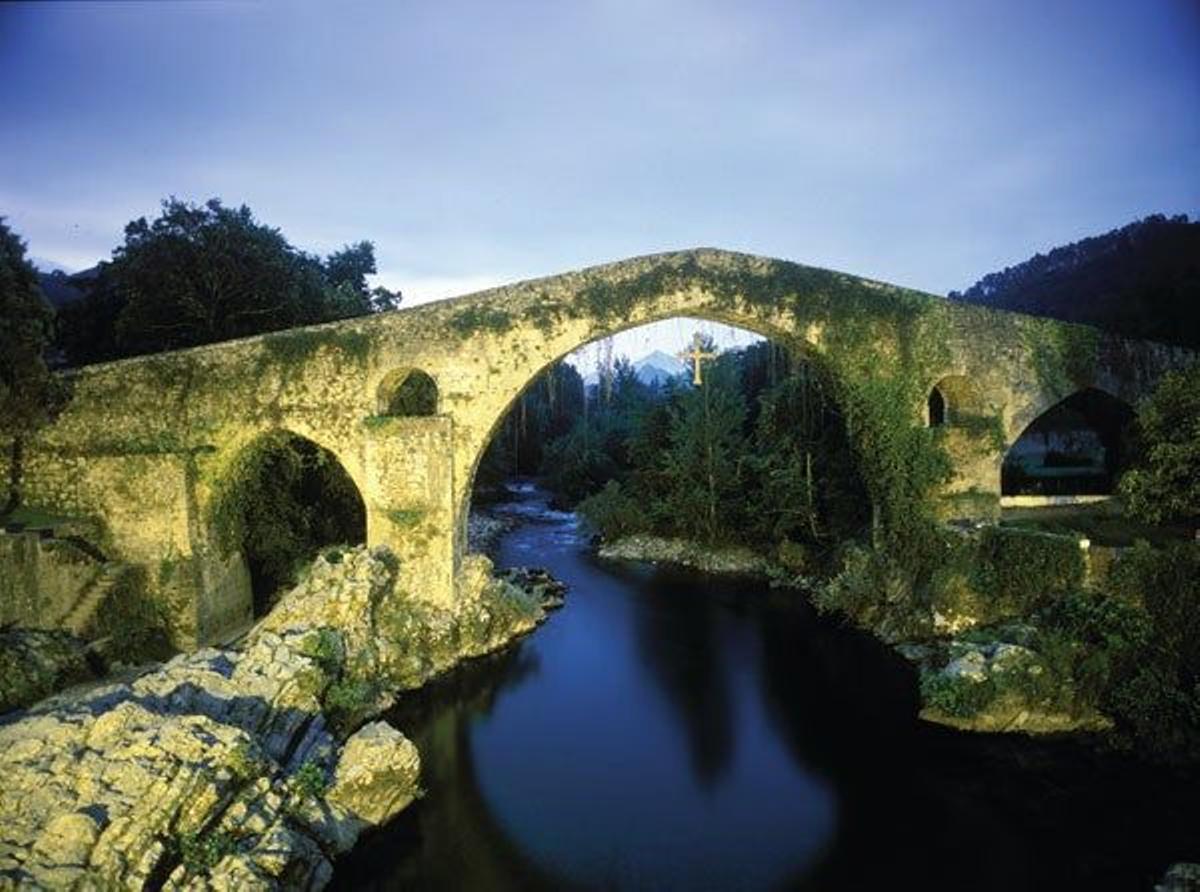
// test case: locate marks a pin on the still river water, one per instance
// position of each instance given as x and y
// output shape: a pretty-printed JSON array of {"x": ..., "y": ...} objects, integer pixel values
[{"x": 667, "y": 731}]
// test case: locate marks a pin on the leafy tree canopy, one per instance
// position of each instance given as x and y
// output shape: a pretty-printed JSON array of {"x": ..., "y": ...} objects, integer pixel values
[
  {"x": 27, "y": 391},
  {"x": 203, "y": 273},
  {"x": 1164, "y": 485}
]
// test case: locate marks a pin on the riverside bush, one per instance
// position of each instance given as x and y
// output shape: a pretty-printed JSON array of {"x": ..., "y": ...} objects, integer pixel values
[
  {"x": 613, "y": 512},
  {"x": 956, "y": 696},
  {"x": 1020, "y": 569},
  {"x": 1157, "y": 700}
]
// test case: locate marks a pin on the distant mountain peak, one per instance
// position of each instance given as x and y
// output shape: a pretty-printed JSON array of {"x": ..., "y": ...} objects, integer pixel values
[{"x": 660, "y": 360}]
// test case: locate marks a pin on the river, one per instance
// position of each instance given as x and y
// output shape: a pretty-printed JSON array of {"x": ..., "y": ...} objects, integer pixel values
[{"x": 670, "y": 731}]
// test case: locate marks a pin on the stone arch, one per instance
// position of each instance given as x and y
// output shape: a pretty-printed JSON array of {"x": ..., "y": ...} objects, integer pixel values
[
  {"x": 1075, "y": 446},
  {"x": 407, "y": 392},
  {"x": 953, "y": 400},
  {"x": 279, "y": 498},
  {"x": 697, "y": 307}
]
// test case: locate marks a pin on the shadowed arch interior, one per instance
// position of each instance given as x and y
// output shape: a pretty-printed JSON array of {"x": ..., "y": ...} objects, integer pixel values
[
  {"x": 953, "y": 400},
  {"x": 284, "y": 500},
  {"x": 408, "y": 392},
  {"x": 1078, "y": 446}
]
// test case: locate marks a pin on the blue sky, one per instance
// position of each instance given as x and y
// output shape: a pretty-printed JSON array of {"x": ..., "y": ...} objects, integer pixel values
[{"x": 476, "y": 143}]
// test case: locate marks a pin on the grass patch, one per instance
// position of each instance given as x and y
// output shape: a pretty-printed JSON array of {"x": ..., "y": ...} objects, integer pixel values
[{"x": 1101, "y": 527}]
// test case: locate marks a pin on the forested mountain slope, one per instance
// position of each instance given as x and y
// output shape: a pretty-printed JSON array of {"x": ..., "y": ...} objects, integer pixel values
[{"x": 1142, "y": 280}]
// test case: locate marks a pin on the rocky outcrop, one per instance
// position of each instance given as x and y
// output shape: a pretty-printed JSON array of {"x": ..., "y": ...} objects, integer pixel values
[
  {"x": 484, "y": 530},
  {"x": 396, "y": 642},
  {"x": 998, "y": 684},
  {"x": 733, "y": 560},
  {"x": 163, "y": 778},
  {"x": 35, "y": 664},
  {"x": 234, "y": 768}
]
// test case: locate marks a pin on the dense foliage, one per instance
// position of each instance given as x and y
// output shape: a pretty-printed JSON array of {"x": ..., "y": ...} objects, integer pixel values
[
  {"x": 1023, "y": 567},
  {"x": 203, "y": 273},
  {"x": 542, "y": 414},
  {"x": 1164, "y": 484},
  {"x": 1142, "y": 280},
  {"x": 757, "y": 454},
  {"x": 27, "y": 391},
  {"x": 284, "y": 500}
]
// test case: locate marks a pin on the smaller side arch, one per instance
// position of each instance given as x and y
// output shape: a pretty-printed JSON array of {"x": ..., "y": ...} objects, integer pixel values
[
  {"x": 407, "y": 392},
  {"x": 1077, "y": 446},
  {"x": 953, "y": 400}
]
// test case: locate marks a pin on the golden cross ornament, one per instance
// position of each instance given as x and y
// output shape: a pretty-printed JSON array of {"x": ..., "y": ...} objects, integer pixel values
[{"x": 696, "y": 355}]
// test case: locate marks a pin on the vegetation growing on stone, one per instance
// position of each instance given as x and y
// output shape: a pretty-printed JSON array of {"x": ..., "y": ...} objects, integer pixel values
[
  {"x": 310, "y": 780},
  {"x": 481, "y": 318},
  {"x": 292, "y": 348},
  {"x": 201, "y": 852}
]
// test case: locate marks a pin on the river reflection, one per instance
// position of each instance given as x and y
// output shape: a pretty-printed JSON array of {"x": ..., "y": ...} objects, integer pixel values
[{"x": 667, "y": 731}]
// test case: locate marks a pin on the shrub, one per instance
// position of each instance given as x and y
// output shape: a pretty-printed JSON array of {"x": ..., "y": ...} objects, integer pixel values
[
  {"x": 956, "y": 695},
  {"x": 347, "y": 700},
  {"x": 1165, "y": 484},
  {"x": 325, "y": 649},
  {"x": 1166, "y": 581},
  {"x": 1021, "y": 568},
  {"x": 201, "y": 852},
  {"x": 1162, "y": 718},
  {"x": 244, "y": 762},
  {"x": 310, "y": 781},
  {"x": 613, "y": 512},
  {"x": 856, "y": 588}
]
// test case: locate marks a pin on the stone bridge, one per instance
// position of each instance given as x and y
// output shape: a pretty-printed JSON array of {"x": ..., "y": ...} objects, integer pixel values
[{"x": 407, "y": 401}]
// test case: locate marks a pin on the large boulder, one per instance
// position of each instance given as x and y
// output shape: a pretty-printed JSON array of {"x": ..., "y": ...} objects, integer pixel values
[{"x": 376, "y": 775}]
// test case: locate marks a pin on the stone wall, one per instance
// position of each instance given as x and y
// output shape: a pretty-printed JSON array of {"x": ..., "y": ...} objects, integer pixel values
[{"x": 41, "y": 579}]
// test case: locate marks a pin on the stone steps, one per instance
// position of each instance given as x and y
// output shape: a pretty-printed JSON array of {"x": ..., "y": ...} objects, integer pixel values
[{"x": 82, "y": 614}]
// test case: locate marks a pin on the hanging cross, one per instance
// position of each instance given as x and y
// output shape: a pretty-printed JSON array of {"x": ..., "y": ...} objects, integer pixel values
[{"x": 697, "y": 355}]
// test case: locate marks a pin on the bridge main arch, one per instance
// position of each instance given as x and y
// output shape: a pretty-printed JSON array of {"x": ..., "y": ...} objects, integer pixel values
[
  {"x": 497, "y": 404},
  {"x": 857, "y": 330}
]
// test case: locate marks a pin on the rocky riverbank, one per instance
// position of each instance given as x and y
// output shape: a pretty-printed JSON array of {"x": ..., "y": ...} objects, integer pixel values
[
  {"x": 248, "y": 767},
  {"x": 485, "y": 529},
  {"x": 732, "y": 560}
]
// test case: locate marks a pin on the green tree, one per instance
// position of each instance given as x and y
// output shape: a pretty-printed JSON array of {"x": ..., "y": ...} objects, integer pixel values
[
  {"x": 346, "y": 272},
  {"x": 1164, "y": 483},
  {"x": 27, "y": 389},
  {"x": 704, "y": 465},
  {"x": 203, "y": 273},
  {"x": 87, "y": 328}
]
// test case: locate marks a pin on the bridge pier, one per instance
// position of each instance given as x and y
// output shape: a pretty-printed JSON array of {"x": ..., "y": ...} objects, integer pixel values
[{"x": 408, "y": 492}]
